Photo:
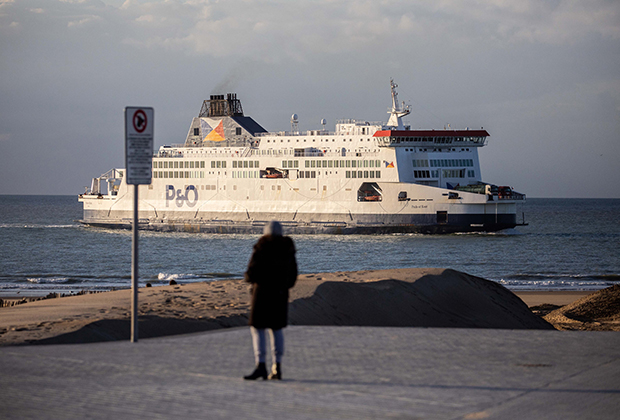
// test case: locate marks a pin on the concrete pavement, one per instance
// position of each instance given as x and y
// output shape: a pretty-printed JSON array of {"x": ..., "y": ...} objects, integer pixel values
[{"x": 329, "y": 373}]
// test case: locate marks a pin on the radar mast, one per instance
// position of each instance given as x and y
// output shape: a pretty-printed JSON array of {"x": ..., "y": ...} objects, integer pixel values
[{"x": 396, "y": 113}]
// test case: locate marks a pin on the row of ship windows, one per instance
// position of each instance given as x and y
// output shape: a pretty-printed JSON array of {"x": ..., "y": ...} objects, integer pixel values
[
  {"x": 442, "y": 163},
  {"x": 363, "y": 174},
  {"x": 245, "y": 174},
  {"x": 255, "y": 174},
  {"x": 286, "y": 164},
  {"x": 348, "y": 174},
  {"x": 342, "y": 164},
  {"x": 178, "y": 174},
  {"x": 445, "y": 173},
  {"x": 245, "y": 164},
  {"x": 164, "y": 164}
]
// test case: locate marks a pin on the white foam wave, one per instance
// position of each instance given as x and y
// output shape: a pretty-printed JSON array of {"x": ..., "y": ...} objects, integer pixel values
[
  {"x": 33, "y": 226},
  {"x": 175, "y": 277},
  {"x": 50, "y": 280}
]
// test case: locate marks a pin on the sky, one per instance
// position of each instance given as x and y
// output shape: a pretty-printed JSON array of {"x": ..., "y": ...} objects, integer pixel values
[{"x": 541, "y": 76}]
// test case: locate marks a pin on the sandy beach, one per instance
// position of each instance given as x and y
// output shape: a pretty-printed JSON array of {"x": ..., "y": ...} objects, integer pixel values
[{"x": 400, "y": 297}]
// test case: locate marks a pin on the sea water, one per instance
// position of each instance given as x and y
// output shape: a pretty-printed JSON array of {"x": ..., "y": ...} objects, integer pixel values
[{"x": 569, "y": 244}]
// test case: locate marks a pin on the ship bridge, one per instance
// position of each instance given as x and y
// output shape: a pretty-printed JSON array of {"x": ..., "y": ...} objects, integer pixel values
[{"x": 469, "y": 138}]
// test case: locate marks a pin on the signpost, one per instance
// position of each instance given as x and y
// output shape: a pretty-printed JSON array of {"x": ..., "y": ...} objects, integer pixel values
[{"x": 138, "y": 171}]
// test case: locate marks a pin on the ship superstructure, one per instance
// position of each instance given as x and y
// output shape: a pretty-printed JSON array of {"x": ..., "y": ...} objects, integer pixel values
[{"x": 232, "y": 176}]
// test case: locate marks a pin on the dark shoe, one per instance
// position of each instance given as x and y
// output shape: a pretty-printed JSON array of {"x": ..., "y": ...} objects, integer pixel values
[
  {"x": 276, "y": 371},
  {"x": 259, "y": 372}
]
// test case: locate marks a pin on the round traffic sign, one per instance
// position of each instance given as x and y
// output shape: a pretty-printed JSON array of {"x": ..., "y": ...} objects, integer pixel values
[{"x": 139, "y": 121}]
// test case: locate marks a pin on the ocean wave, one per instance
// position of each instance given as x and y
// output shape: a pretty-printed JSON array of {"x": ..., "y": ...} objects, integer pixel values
[
  {"x": 176, "y": 277},
  {"x": 165, "y": 277},
  {"x": 505, "y": 232},
  {"x": 35, "y": 226},
  {"x": 553, "y": 284},
  {"x": 564, "y": 277},
  {"x": 49, "y": 280}
]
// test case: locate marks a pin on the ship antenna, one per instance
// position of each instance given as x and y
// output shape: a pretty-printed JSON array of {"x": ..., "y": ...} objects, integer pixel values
[
  {"x": 294, "y": 122},
  {"x": 396, "y": 113}
]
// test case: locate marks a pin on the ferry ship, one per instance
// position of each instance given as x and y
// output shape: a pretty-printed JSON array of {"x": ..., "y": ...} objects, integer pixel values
[{"x": 232, "y": 176}]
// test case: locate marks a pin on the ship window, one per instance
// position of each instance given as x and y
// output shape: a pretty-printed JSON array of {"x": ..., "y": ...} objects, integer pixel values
[
  {"x": 238, "y": 131},
  {"x": 330, "y": 164},
  {"x": 325, "y": 164},
  {"x": 359, "y": 174},
  {"x": 290, "y": 163},
  {"x": 348, "y": 174},
  {"x": 365, "y": 174},
  {"x": 213, "y": 164},
  {"x": 313, "y": 164},
  {"x": 176, "y": 174},
  {"x": 245, "y": 163},
  {"x": 234, "y": 163},
  {"x": 378, "y": 174}
]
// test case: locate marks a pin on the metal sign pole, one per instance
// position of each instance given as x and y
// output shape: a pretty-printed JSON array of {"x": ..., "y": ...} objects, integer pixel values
[
  {"x": 134, "y": 268},
  {"x": 138, "y": 165}
]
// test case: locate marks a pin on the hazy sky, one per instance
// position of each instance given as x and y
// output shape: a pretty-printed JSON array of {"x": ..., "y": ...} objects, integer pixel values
[{"x": 542, "y": 76}]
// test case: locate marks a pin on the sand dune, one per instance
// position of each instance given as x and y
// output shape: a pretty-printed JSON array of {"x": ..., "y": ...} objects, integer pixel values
[
  {"x": 599, "y": 311},
  {"x": 444, "y": 299}
]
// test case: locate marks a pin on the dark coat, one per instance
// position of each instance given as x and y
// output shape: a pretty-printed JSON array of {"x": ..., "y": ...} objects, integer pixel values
[{"x": 272, "y": 271}]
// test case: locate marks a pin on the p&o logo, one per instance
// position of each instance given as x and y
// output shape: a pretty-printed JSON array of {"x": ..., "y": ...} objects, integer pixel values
[{"x": 181, "y": 197}]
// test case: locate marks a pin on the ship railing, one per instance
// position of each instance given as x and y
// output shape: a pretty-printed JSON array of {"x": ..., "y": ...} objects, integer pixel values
[
  {"x": 169, "y": 153},
  {"x": 513, "y": 196},
  {"x": 408, "y": 141},
  {"x": 297, "y": 133}
]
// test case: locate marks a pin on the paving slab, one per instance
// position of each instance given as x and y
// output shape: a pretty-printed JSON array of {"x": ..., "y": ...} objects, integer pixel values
[{"x": 329, "y": 373}]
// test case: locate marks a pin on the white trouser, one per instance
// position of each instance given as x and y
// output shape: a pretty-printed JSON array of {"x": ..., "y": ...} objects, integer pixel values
[{"x": 259, "y": 340}]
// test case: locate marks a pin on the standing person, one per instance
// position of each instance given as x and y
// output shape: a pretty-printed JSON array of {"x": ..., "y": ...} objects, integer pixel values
[{"x": 272, "y": 270}]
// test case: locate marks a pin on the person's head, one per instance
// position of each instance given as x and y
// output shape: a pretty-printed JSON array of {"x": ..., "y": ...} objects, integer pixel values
[{"x": 273, "y": 228}]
